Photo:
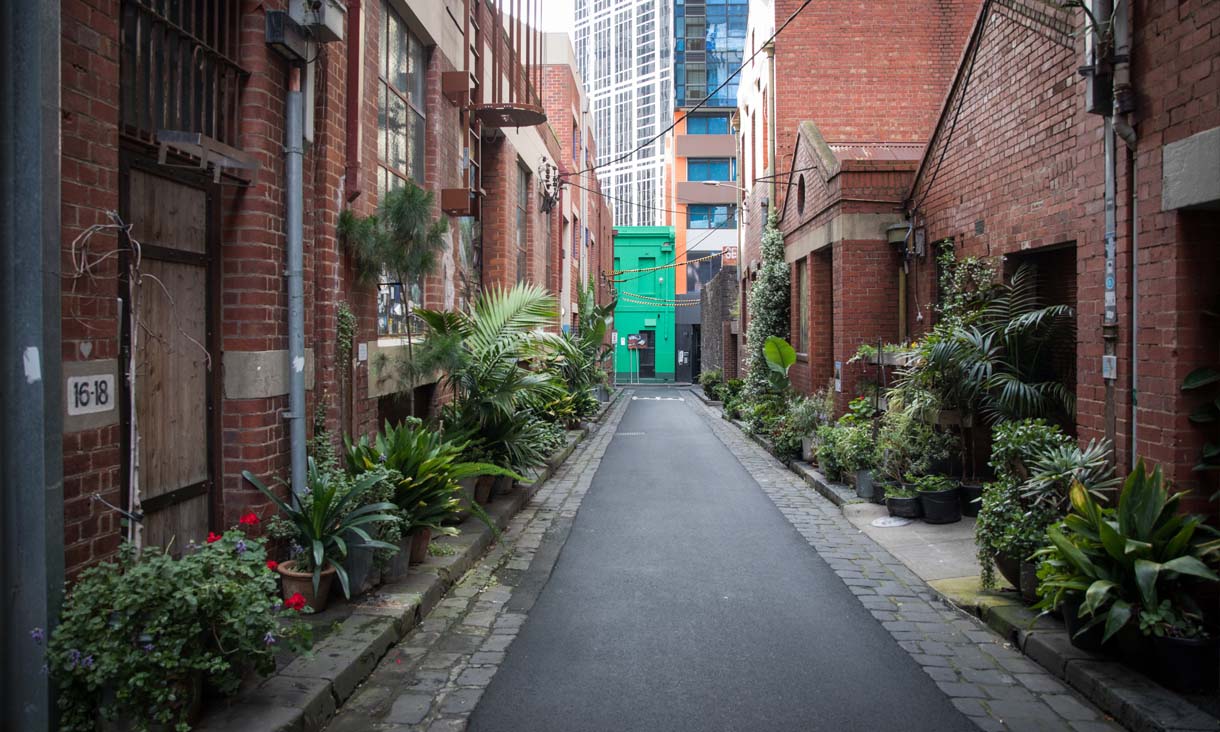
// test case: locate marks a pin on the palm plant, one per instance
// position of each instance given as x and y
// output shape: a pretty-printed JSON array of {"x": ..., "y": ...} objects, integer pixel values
[
  {"x": 403, "y": 240},
  {"x": 331, "y": 510},
  {"x": 491, "y": 349}
]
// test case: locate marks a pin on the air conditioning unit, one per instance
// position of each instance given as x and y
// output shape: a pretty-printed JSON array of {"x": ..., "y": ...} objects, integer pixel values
[{"x": 321, "y": 19}]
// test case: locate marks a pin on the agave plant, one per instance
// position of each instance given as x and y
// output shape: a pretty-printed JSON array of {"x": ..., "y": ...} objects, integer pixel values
[
  {"x": 1123, "y": 559},
  {"x": 331, "y": 510},
  {"x": 425, "y": 468},
  {"x": 1054, "y": 471}
]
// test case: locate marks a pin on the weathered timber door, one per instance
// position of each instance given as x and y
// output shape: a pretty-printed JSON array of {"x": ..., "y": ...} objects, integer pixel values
[{"x": 173, "y": 238}]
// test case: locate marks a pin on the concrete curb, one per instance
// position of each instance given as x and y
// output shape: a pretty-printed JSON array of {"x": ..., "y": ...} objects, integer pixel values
[
  {"x": 304, "y": 695},
  {"x": 1128, "y": 696}
]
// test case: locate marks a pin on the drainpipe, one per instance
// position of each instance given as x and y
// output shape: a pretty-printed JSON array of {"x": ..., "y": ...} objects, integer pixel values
[
  {"x": 1109, "y": 327},
  {"x": 293, "y": 155},
  {"x": 771, "y": 123},
  {"x": 31, "y": 385},
  {"x": 355, "y": 48},
  {"x": 1124, "y": 106}
]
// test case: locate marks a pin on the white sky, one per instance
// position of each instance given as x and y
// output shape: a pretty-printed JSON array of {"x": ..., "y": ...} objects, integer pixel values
[{"x": 559, "y": 15}]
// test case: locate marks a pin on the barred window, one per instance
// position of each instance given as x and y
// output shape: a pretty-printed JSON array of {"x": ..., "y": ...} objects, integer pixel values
[{"x": 400, "y": 103}]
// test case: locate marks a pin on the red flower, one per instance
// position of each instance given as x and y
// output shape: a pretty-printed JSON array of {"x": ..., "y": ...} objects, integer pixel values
[
  {"x": 272, "y": 564},
  {"x": 250, "y": 519},
  {"x": 296, "y": 602},
  {"x": 214, "y": 537}
]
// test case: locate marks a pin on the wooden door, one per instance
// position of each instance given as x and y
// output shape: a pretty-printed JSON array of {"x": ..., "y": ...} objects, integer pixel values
[{"x": 172, "y": 332}]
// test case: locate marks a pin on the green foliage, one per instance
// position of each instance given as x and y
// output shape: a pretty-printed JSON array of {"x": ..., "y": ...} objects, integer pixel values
[
  {"x": 495, "y": 355},
  {"x": 332, "y": 511},
  {"x": 1169, "y": 621},
  {"x": 965, "y": 285},
  {"x": 1206, "y": 382},
  {"x": 733, "y": 396},
  {"x": 345, "y": 328},
  {"x": 780, "y": 356},
  {"x": 900, "y": 490},
  {"x": 931, "y": 483},
  {"x": 768, "y": 307},
  {"x": 1124, "y": 559},
  {"x": 800, "y": 420},
  {"x": 908, "y": 445},
  {"x": 845, "y": 447},
  {"x": 402, "y": 239},
  {"x": 135, "y": 635},
  {"x": 1007, "y": 527}
]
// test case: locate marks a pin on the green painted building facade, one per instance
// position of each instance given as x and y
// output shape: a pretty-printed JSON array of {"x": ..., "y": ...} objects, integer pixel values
[{"x": 644, "y": 314}]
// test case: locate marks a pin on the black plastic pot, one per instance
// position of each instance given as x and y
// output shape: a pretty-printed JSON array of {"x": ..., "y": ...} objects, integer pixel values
[
  {"x": 1186, "y": 665},
  {"x": 1090, "y": 640},
  {"x": 972, "y": 494},
  {"x": 904, "y": 507},
  {"x": 941, "y": 507}
]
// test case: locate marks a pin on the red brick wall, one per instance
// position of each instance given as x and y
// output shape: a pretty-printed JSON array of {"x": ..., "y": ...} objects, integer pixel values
[
  {"x": 1025, "y": 166},
  {"x": 252, "y": 298}
]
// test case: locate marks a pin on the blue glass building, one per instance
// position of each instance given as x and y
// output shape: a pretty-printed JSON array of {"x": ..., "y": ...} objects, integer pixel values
[{"x": 709, "y": 40}]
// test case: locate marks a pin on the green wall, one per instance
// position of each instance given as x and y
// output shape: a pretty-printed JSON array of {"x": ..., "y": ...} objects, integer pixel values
[{"x": 638, "y": 247}]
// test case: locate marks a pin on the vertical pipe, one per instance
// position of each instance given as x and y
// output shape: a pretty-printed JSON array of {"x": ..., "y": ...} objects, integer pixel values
[
  {"x": 296, "y": 290},
  {"x": 353, "y": 95},
  {"x": 1110, "y": 304},
  {"x": 31, "y": 429}
]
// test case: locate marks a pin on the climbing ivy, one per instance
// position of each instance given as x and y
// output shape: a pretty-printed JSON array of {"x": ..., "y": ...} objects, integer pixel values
[{"x": 768, "y": 305}]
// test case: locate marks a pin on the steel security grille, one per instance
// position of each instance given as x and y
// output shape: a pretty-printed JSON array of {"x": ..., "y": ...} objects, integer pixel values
[{"x": 179, "y": 68}]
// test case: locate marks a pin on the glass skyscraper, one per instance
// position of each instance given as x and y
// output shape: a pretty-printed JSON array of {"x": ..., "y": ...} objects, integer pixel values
[
  {"x": 624, "y": 51},
  {"x": 709, "y": 41}
]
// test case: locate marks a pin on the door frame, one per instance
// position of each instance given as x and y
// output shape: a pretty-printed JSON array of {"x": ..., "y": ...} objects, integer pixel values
[{"x": 133, "y": 157}]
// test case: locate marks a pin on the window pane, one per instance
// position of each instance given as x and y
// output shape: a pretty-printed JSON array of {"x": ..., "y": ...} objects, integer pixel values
[
  {"x": 418, "y": 64},
  {"x": 397, "y": 123},
  {"x": 382, "y": 145},
  {"x": 417, "y": 148}
]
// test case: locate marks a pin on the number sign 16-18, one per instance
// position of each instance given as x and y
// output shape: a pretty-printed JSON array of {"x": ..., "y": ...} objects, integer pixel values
[{"x": 91, "y": 394}]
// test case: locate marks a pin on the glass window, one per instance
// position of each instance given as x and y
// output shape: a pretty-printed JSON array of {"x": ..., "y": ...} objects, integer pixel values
[
  {"x": 802, "y": 299},
  {"x": 707, "y": 125},
  {"x": 719, "y": 169},
  {"x": 400, "y": 103},
  {"x": 706, "y": 216},
  {"x": 523, "y": 200}
]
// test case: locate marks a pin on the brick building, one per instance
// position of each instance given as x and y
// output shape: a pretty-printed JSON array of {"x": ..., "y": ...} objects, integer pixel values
[
  {"x": 174, "y": 176},
  {"x": 1016, "y": 170},
  {"x": 832, "y": 116},
  {"x": 982, "y": 130}
]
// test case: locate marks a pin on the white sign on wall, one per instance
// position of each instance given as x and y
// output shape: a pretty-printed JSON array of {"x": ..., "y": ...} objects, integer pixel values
[{"x": 91, "y": 394}]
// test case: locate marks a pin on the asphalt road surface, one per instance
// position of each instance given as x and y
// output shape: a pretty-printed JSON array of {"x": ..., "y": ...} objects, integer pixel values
[{"x": 683, "y": 600}]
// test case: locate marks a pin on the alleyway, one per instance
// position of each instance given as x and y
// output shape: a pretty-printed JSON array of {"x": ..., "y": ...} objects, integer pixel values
[
  {"x": 684, "y": 601},
  {"x": 700, "y": 587}
]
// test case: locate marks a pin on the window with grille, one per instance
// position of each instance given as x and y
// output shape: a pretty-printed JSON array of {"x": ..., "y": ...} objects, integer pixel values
[{"x": 178, "y": 68}]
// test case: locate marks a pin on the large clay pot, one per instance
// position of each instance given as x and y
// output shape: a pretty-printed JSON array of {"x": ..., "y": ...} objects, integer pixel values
[
  {"x": 294, "y": 580},
  {"x": 420, "y": 538}
]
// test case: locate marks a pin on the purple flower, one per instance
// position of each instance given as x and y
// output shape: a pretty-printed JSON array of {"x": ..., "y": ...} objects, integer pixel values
[
  {"x": 37, "y": 635},
  {"x": 73, "y": 658},
  {"x": 295, "y": 549},
  {"x": 87, "y": 662},
  {"x": 269, "y": 639},
  {"x": 240, "y": 548},
  {"x": 148, "y": 647}
]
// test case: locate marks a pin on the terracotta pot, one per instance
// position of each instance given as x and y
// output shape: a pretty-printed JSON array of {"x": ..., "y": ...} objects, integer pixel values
[
  {"x": 504, "y": 485},
  {"x": 482, "y": 488},
  {"x": 294, "y": 580},
  {"x": 420, "y": 538}
]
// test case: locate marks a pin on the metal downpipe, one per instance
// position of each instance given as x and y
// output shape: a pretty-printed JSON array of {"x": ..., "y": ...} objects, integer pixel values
[{"x": 293, "y": 157}]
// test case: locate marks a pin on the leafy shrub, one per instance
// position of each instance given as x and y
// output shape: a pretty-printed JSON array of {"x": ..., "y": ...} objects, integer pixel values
[
  {"x": 908, "y": 445},
  {"x": 1007, "y": 527},
  {"x": 135, "y": 635},
  {"x": 931, "y": 483}
]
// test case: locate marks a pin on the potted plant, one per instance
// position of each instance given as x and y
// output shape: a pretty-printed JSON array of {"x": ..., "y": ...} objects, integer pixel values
[
  {"x": 902, "y": 501},
  {"x": 938, "y": 497},
  {"x": 1007, "y": 532},
  {"x": 319, "y": 523},
  {"x": 1120, "y": 561},
  {"x": 907, "y": 445},
  {"x": 141, "y": 637},
  {"x": 1181, "y": 649}
]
